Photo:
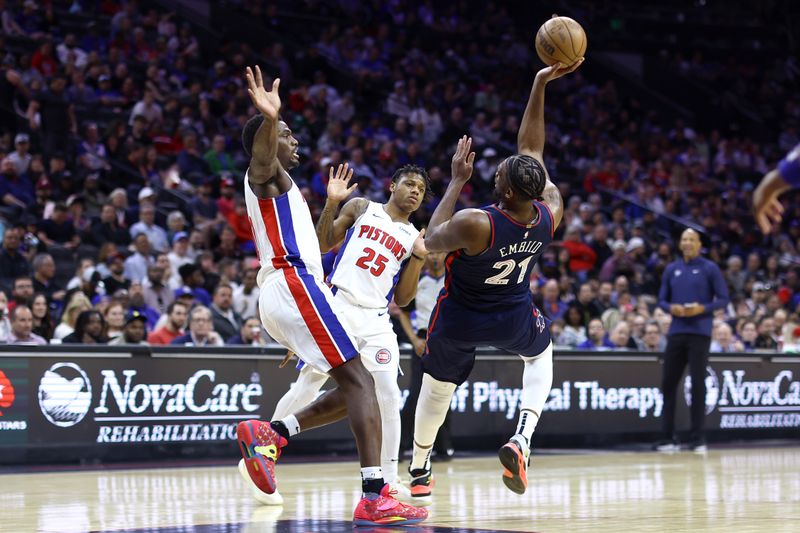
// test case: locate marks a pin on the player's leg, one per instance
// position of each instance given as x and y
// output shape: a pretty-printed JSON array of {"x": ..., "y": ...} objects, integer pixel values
[
  {"x": 303, "y": 392},
  {"x": 308, "y": 325},
  {"x": 432, "y": 407},
  {"x": 388, "y": 394},
  {"x": 381, "y": 357},
  {"x": 409, "y": 408},
  {"x": 532, "y": 342},
  {"x": 537, "y": 380},
  {"x": 446, "y": 364},
  {"x": 305, "y": 389}
]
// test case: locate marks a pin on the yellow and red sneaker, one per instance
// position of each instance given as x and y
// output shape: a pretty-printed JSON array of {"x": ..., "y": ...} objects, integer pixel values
[
  {"x": 260, "y": 446},
  {"x": 386, "y": 510},
  {"x": 515, "y": 462}
]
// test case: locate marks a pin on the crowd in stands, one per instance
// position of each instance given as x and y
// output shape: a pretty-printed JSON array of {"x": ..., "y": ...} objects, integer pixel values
[{"x": 121, "y": 168}]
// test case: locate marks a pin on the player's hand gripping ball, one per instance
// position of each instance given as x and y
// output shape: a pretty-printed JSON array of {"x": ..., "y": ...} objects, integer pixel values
[{"x": 560, "y": 40}]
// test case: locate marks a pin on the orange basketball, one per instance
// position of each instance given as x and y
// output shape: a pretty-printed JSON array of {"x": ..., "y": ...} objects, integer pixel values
[{"x": 560, "y": 40}]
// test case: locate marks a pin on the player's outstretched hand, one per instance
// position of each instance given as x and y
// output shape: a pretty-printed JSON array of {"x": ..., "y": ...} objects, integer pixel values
[
  {"x": 338, "y": 190},
  {"x": 769, "y": 213},
  {"x": 555, "y": 71},
  {"x": 267, "y": 102},
  {"x": 419, "y": 245},
  {"x": 461, "y": 166},
  {"x": 766, "y": 207}
]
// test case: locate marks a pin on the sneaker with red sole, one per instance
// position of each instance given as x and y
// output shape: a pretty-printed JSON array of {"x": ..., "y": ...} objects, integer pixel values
[
  {"x": 515, "y": 462},
  {"x": 421, "y": 482},
  {"x": 386, "y": 510},
  {"x": 261, "y": 447}
]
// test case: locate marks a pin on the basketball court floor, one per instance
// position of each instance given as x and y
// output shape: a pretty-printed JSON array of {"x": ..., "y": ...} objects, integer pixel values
[{"x": 753, "y": 489}]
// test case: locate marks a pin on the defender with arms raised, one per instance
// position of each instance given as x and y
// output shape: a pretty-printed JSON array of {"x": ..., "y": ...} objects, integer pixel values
[
  {"x": 298, "y": 310},
  {"x": 381, "y": 257}
]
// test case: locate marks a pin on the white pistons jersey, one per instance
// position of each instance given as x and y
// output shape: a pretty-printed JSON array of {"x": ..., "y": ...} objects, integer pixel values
[
  {"x": 284, "y": 233},
  {"x": 371, "y": 258}
]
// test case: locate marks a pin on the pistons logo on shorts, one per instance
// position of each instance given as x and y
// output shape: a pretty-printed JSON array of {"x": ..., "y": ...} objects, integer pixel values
[{"x": 383, "y": 356}]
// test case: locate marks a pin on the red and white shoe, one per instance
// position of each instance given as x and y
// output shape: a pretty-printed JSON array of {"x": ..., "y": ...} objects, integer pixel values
[
  {"x": 261, "y": 497},
  {"x": 386, "y": 510},
  {"x": 261, "y": 447},
  {"x": 515, "y": 462}
]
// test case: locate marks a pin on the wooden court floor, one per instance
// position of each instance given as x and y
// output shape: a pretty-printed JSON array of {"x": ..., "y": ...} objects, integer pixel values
[{"x": 725, "y": 490}]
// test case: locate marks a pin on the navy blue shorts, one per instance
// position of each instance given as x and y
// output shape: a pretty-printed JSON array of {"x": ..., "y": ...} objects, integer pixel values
[{"x": 456, "y": 331}]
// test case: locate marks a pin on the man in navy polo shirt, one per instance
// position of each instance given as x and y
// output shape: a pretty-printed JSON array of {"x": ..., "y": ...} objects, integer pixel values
[{"x": 692, "y": 288}]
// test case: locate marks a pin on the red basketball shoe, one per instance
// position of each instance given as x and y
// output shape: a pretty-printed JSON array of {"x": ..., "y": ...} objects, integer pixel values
[
  {"x": 260, "y": 446},
  {"x": 385, "y": 510}
]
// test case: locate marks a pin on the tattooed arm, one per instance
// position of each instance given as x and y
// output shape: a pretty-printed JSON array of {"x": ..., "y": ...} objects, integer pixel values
[{"x": 330, "y": 228}]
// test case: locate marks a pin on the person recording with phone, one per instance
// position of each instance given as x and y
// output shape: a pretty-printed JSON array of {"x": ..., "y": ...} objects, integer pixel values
[{"x": 250, "y": 334}]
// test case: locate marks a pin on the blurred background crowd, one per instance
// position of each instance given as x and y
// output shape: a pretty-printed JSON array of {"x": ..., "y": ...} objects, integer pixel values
[{"x": 121, "y": 172}]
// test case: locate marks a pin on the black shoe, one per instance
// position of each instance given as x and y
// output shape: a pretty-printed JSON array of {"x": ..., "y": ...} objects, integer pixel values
[
  {"x": 421, "y": 482},
  {"x": 667, "y": 445},
  {"x": 698, "y": 445}
]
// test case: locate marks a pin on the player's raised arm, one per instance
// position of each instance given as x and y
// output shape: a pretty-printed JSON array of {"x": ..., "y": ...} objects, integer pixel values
[
  {"x": 469, "y": 229},
  {"x": 331, "y": 229},
  {"x": 531, "y": 136},
  {"x": 530, "y": 139},
  {"x": 264, "y": 165}
]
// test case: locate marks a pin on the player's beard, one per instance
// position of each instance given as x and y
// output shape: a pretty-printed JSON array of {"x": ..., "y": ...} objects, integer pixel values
[{"x": 497, "y": 195}]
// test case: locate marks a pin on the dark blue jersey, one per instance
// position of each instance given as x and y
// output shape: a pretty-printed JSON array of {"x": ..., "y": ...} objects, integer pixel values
[{"x": 499, "y": 277}]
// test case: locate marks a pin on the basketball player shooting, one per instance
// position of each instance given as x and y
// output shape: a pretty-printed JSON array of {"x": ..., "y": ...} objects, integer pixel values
[
  {"x": 381, "y": 258},
  {"x": 486, "y": 300},
  {"x": 298, "y": 310}
]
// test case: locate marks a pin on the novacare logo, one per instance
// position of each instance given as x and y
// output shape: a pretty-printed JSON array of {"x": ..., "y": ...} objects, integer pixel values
[
  {"x": 172, "y": 398},
  {"x": 735, "y": 393},
  {"x": 740, "y": 393}
]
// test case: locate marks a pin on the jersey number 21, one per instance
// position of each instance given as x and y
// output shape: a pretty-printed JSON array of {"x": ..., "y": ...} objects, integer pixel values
[{"x": 507, "y": 267}]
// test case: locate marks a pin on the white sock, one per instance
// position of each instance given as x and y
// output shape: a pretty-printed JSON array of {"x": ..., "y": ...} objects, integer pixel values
[
  {"x": 291, "y": 424},
  {"x": 388, "y": 394},
  {"x": 371, "y": 472},
  {"x": 371, "y": 481},
  {"x": 302, "y": 393},
  {"x": 421, "y": 457},
  {"x": 537, "y": 380},
  {"x": 432, "y": 406}
]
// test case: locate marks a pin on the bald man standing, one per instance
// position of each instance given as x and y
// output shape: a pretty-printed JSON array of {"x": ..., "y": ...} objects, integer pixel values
[{"x": 691, "y": 290}]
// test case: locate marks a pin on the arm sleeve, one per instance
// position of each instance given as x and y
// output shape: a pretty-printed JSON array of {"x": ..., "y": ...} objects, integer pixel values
[
  {"x": 789, "y": 167},
  {"x": 721, "y": 297},
  {"x": 664, "y": 296}
]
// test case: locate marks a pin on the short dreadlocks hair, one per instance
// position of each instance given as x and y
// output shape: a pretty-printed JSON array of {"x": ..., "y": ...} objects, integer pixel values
[
  {"x": 413, "y": 169},
  {"x": 526, "y": 176}
]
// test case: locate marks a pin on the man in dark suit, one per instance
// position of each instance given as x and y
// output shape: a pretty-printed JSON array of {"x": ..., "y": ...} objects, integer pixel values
[{"x": 227, "y": 322}]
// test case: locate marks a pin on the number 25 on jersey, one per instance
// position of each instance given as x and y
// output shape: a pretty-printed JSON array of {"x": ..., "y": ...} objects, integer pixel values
[{"x": 378, "y": 262}]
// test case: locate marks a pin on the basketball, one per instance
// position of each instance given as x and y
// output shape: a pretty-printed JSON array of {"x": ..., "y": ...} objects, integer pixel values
[{"x": 560, "y": 39}]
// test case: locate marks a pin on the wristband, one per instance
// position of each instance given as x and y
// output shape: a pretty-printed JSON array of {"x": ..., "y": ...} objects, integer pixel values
[
  {"x": 789, "y": 167},
  {"x": 415, "y": 256}
]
